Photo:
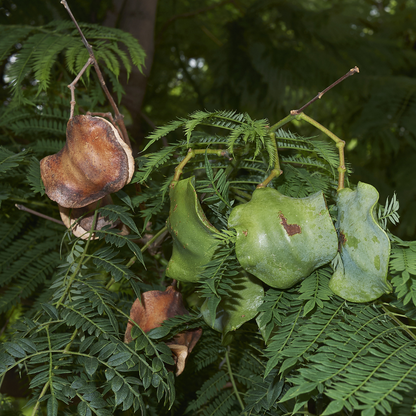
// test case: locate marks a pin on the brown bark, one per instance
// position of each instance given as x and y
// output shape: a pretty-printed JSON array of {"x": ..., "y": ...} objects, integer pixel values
[{"x": 136, "y": 17}]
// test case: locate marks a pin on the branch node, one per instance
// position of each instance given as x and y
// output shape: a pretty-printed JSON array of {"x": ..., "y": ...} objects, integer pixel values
[{"x": 352, "y": 71}]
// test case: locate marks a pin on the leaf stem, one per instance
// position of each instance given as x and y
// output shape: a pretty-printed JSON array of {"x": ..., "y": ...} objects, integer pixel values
[
  {"x": 79, "y": 265},
  {"x": 230, "y": 373},
  {"x": 282, "y": 122},
  {"x": 393, "y": 316},
  {"x": 276, "y": 172},
  {"x": 340, "y": 144},
  {"x": 192, "y": 153},
  {"x": 147, "y": 245},
  {"x": 241, "y": 193}
]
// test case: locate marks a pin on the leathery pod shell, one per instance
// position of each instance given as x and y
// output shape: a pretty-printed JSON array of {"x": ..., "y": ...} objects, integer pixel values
[
  {"x": 193, "y": 235},
  {"x": 280, "y": 239},
  {"x": 361, "y": 276},
  {"x": 94, "y": 162}
]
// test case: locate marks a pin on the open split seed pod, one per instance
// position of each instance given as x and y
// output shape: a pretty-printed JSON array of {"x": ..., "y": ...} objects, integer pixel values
[
  {"x": 79, "y": 220},
  {"x": 152, "y": 309},
  {"x": 94, "y": 162}
]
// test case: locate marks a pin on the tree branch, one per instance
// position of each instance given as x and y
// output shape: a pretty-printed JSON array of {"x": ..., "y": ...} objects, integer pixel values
[
  {"x": 320, "y": 94},
  {"x": 31, "y": 211},
  {"x": 118, "y": 116}
]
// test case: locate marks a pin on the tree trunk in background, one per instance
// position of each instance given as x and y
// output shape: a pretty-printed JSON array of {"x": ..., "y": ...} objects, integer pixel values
[{"x": 136, "y": 17}]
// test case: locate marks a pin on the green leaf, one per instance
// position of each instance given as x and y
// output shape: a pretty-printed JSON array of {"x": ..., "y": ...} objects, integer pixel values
[
  {"x": 91, "y": 365},
  {"x": 50, "y": 310},
  {"x": 157, "y": 364},
  {"x": 52, "y": 406},
  {"x": 115, "y": 212},
  {"x": 335, "y": 407},
  {"x": 117, "y": 383},
  {"x": 159, "y": 332},
  {"x": 34, "y": 178},
  {"x": 28, "y": 345},
  {"x": 309, "y": 305},
  {"x": 119, "y": 358},
  {"x": 9, "y": 160},
  {"x": 371, "y": 411},
  {"x": 109, "y": 374},
  {"x": 15, "y": 350},
  {"x": 288, "y": 363},
  {"x": 125, "y": 198},
  {"x": 296, "y": 391},
  {"x": 121, "y": 394}
]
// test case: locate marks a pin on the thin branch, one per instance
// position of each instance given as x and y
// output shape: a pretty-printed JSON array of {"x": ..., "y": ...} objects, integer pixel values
[
  {"x": 398, "y": 322},
  {"x": 148, "y": 244},
  {"x": 299, "y": 115},
  {"x": 72, "y": 85},
  {"x": 230, "y": 373},
  {"x": 31, "y": 211},
  {"x": 192, "y": 153},
  {"x": 340, "y": 144},
  {"x": 118, "y": 116},
  {"x": 352, "y": 71}
]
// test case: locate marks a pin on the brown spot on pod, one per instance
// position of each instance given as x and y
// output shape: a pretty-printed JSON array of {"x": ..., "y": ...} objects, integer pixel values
[{"x": 291, "y": 229}]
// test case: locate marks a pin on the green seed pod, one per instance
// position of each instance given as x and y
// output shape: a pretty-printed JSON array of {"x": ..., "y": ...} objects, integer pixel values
[
  {"x": 233, "y": 311},
  {"x": 365, "y": 247},
  {"x": 281, "y": 240},
  {"x": 193, "y": 236}
]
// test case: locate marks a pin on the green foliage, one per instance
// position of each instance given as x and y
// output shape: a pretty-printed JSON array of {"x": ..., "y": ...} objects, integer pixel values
[
  {"x": 65, "y": 301},
  {"x": 403, "y": 270},
  {"x": 41, "y": 46}
]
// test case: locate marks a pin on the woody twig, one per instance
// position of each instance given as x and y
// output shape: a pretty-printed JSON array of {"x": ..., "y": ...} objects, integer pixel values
[
  {"x": 300, "y": 115},
  {"x": 92, "y": 60},
  {"x": 38, "y": 214}
]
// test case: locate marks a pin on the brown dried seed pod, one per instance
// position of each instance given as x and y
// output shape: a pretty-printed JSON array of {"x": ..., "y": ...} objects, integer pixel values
[
  {"x": 155, "y": 307},
  {"x": 94, "y": 162}
]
